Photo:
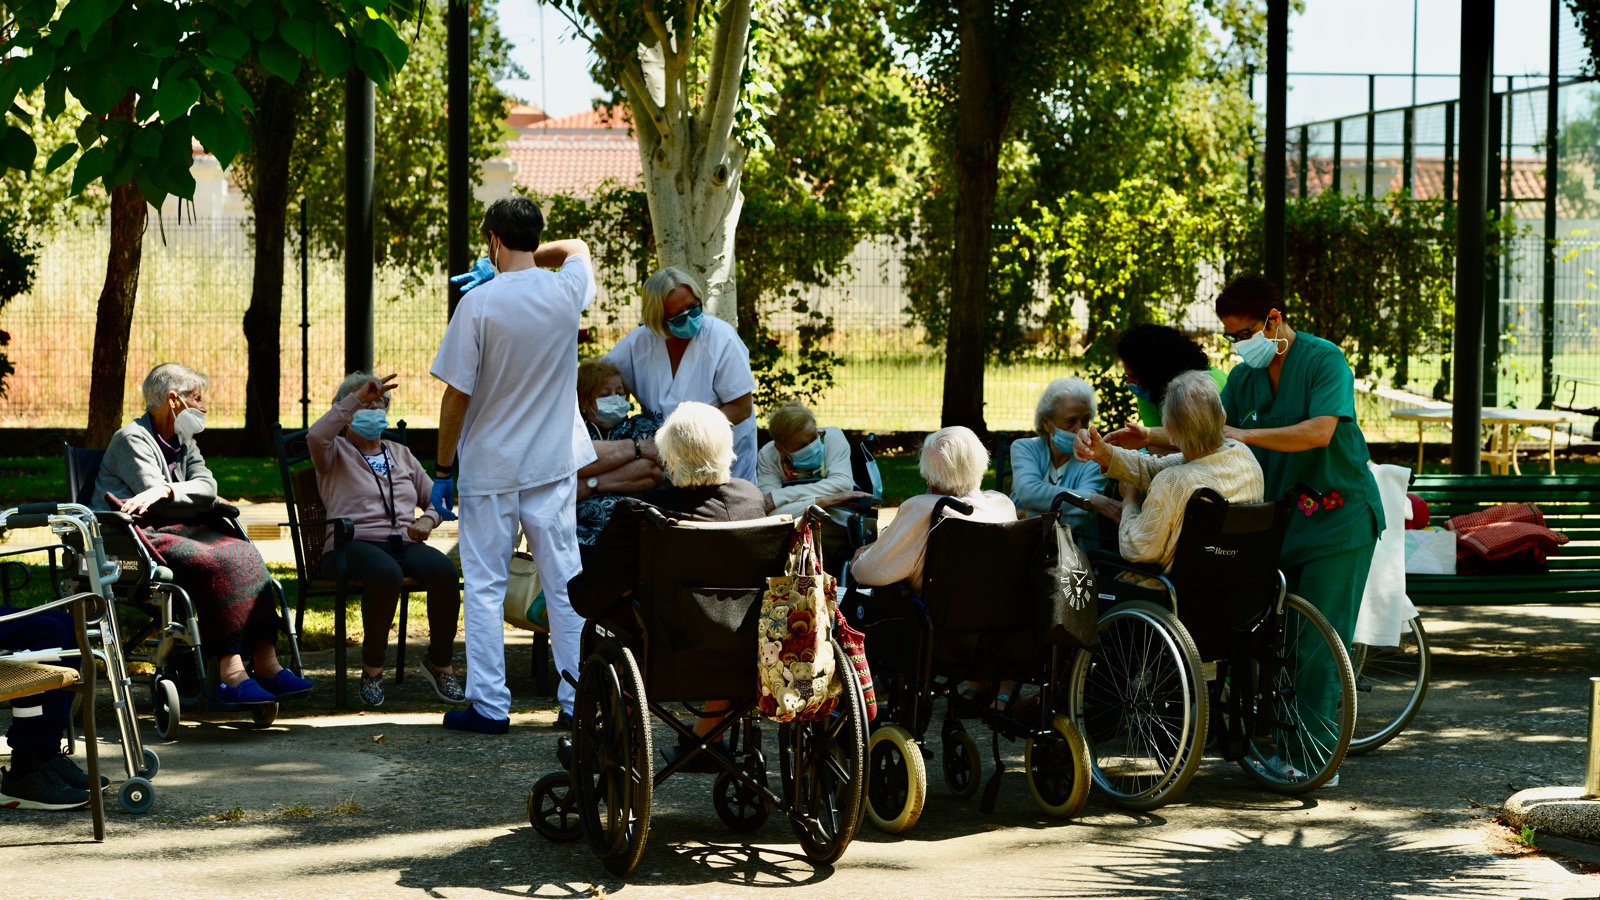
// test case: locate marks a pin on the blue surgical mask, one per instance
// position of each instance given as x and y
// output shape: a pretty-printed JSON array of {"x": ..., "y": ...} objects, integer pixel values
[
  {"x": 369, "y": 423},
  {"x": 686, "y": 324},
  {"x": 610, "y": 411},
  {"x": 1138, "y": 390},
  {"x": 1258, "y": 351},
  {"x": 1064, "y": 440},
  {"x": 808, "y": 458}
]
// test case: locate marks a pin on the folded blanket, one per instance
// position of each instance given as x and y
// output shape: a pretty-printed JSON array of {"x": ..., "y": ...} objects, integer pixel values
[{"x": 1509, "y": 539}]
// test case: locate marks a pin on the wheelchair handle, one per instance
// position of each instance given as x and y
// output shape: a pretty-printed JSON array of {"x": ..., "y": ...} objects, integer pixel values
[
  {"x": 955, "y": 503},
  {"x": 1301, "y": 488},
  {"x": 1071, "y": 497}
]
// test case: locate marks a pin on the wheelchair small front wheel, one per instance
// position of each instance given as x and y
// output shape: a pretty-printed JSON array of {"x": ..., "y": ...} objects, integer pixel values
[
  {"x": 963, "y": 767},
  {"x": 553, "y": 809},
  {"x": 136, "y": 795},
  {"x": 1058, "y": 768},
  {"x": 1306, "y": 693},
  {"x": 168, "y": 708},
  {"x": 264, "y": 716},
  {"x": 897, "y": 780},
  {"x": 150, "y": 764},
  {"x": 740, "y": 807}
]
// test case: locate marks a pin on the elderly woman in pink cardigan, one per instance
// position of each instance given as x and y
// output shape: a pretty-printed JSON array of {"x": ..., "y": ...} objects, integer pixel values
[{"x": 379, "y": 485}]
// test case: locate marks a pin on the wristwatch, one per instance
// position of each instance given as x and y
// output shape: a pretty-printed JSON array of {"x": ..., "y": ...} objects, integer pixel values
[
  {"x": 637, "y": 452},
  {"x": 591, "y": 482}
]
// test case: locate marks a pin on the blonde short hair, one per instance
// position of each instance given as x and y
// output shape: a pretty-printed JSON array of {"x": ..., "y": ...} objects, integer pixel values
[
  {"x": 175, "y": 377},
  {"x": 696, "y": 444},
  {"x": 1192, "y": 412},
  {"x": 789, "y": 420},
  {"x": 656, "y": 289},
  {"x": 593, "y": 373},
  {"x": 953, "y": 461}
]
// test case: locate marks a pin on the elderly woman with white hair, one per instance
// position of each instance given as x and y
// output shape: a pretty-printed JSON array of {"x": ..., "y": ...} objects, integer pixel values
[
  {"x": 680, "y": 355},
  {"x": 1192, "y": 414},
  {"x": 379, "y": 486},
  {"x": 953, "y": 462},
  {"x": 153, "y": 471},
  {"x": 696, "y": 445},
  {"x": 1043, "y": 466}
]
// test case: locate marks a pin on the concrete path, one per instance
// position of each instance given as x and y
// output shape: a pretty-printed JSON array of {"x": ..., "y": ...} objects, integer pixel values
[{"x": 387, "y": 804}]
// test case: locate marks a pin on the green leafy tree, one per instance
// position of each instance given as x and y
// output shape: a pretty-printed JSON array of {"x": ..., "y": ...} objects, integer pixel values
[
  {"x": 153, "y": 77},
  {"x": 1028, "y": 102},
  {"x": 298, "y": 149},
  {"x": 18, "y": 264}
]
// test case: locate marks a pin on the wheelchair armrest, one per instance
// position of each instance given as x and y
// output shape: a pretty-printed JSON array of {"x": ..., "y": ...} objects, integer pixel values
[
  {"x": 1107, "y": 558},
  {"x": 228, "y": 510},
  {"x": 344, "y": 530},
  {"x": 112, "y": 517}
]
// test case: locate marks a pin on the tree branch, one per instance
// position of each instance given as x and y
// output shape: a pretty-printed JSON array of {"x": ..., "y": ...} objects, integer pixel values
[
  {"x": 691, "y": 9},
  {"x": 632, "y": 75},
  {"x": 718, "y": 53},
  {"x": 653, "y": 16},
  {"x": 733, "y": 34}
]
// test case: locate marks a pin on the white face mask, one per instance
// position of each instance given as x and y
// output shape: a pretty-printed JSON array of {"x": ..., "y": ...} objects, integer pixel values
[
  {"x": 611, "y": 410},
  {"x": 189, "y": 423}
]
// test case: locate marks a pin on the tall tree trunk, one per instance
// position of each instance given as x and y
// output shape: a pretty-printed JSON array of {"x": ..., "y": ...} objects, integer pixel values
[
  {"x": 114, "y": 313},
  {"x": 982, "y": 107},
  {"x": 273, "y": 128}
]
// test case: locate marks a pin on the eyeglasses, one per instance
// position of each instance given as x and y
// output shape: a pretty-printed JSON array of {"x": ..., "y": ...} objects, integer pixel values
[
  {"x": 682, "y": 319},
  {"x": 1242, "y": 334}
]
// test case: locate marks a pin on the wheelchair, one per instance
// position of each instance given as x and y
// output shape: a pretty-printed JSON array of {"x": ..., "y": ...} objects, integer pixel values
[
  {"x": 690, "y": 636},
  {"x": 1244, "y": 664},
  {"x": 166, "y": 634},
  {"x": 79, "y": 527},
  {"x": 976, "y": 619}
]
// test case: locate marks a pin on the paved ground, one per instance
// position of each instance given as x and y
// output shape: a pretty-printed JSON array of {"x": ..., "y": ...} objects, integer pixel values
[{"x": 389, "y": 804}]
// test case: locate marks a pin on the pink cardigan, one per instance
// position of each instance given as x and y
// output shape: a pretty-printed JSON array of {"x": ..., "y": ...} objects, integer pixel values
[{"x": 348, "y": 488}]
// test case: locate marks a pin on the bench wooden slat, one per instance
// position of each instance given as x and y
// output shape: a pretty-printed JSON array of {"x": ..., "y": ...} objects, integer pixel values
[{"x": 1570, "y": 504}]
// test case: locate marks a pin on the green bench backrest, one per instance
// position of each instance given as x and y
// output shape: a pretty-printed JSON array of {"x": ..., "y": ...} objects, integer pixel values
[{"x": 1570, "y": 504}]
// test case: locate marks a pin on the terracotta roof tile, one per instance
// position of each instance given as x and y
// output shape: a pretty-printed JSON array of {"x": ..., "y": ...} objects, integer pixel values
[
  {"x": 574, "y": 166},
  {"x": 609, "y": 121}
]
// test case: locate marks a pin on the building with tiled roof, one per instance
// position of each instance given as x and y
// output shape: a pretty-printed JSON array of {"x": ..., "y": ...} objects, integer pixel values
[
  {"x": 573, "y": 155},
  {"x": 1526, "y": 179}
]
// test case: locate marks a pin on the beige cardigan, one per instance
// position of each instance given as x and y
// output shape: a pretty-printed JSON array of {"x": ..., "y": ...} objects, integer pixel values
[
  {"x": 899, "y": 552},
  {"x": 1149, "y": 529}
]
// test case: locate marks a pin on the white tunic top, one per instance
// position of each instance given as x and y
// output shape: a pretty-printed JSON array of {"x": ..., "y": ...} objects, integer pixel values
[
  {"x": 715, "y": 369},
  {"x": 513, "y": 346}
]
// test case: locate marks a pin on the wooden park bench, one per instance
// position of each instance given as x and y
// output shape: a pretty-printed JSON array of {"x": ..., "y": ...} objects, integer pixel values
[{"x": 1570, "y": 504}]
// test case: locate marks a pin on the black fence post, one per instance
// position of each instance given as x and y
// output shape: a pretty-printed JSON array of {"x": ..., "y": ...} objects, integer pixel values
[
  {"x": 1477, "y": 68},
  {"x": 1449, "y": 153},
  {"x": 1305, "y": 151},
  {"x": 1275, "y": 267},
  {"x": 1492, "y": 249},
  {"x": 1552, "y": 180},
  {"x": 1338, "y": 155},
  {"x": 305, "y": 322},
  {"x": 458, "y": 175},
  {"x": 358, "y": 216},
  {"x": 1409, "y": 154},
  {"x": 1372, "y": 120}
]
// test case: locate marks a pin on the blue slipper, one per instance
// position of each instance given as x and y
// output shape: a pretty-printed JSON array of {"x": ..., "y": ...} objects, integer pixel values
[
  {"x": 285, "y": 682},
  {"x": 245, "y": 693},
  {"x": 470, "y": 719}
]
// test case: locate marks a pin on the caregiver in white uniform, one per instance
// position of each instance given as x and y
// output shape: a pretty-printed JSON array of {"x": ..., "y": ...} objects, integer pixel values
[
  {"x": 680, "y": 354},
  {"x": 509, "y": 360}
]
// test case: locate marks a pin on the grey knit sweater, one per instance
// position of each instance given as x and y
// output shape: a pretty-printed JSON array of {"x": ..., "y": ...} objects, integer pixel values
[{"x": 134, "y": 463}]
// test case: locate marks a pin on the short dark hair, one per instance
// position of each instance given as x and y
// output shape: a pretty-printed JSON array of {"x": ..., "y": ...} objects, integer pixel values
[
  {"x": 1249, "y": 295},
  {"x": 516, "y": 221},
  {"x": 1156, "y": 354}
]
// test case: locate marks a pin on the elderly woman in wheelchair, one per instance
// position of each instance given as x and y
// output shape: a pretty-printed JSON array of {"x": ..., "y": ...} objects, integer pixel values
[
  {"x": 671, "y": 589},
  {"x": 154, "y": 472},
  {"x": 1232, "y": 654},
  {"x": 696, "y": 446}
]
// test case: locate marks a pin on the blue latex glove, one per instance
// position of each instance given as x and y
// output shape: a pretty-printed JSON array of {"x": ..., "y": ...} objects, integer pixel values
[
  {"x": 480, "y": 273},
  {"x": 443, "y": 489}
]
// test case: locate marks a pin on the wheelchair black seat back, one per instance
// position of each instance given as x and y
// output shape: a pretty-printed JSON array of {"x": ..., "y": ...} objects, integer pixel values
[
  {"x": 699, "y": 595},
  {"x": 1225, "y": 568},
  {"x": 979, "y": 587}
]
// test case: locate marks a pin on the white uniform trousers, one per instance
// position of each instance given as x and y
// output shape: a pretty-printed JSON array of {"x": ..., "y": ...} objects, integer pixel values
[{"x": 548, "y": 514}]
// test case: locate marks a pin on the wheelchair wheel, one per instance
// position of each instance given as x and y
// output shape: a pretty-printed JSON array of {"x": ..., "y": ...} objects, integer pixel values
[
  {"x": 611, "y": 756},
  {"x": 1390, "y": 685},
  {"x": 897, "y": 780},
  {"x": 1058, "y": 768},
  {"x": 1141, "y": 704},
  {"x": 963, "y": 767},
  {"x": 264, "y": 716},
  {"x": 824, "y": 769},
  {"x": 168, "y": 708},
  {"x": 553, "y": 808},
  {"x": 738, "y": 806},
  {"x": 1305, "y": 694},
  {"x": 136, "y": 795}
]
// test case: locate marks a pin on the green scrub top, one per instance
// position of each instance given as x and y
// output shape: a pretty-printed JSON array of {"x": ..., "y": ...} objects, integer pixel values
[
  {"x": 1150, "y": 413},
  {"x": 1315, "y": 381}
]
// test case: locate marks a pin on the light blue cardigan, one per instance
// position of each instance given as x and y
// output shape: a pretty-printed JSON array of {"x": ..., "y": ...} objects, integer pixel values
[{"x": 1033, "y": 487}]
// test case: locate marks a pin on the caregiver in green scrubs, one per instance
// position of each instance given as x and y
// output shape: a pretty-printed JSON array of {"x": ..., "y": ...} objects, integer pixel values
[{"x": 1292, "y": 402}]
